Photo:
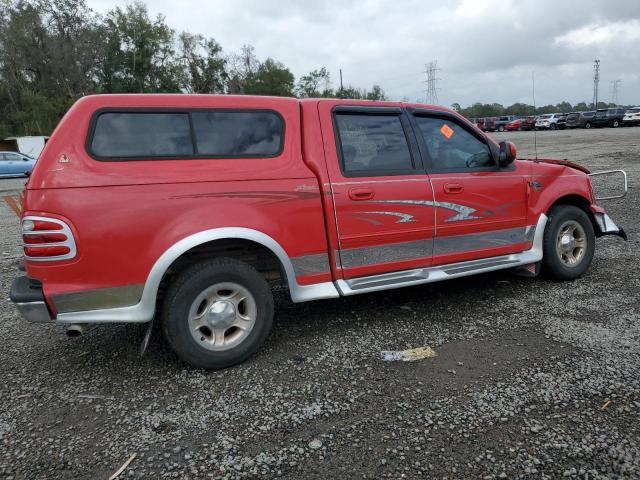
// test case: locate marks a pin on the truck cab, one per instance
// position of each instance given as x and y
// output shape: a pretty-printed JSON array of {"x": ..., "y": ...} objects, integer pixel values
[{"x": 185, "y": 210}]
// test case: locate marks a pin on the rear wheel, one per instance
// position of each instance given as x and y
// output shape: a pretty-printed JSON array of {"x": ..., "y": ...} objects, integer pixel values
[
  {"x": 587, "y": 125},
  {"x": 569, "y": 243},
  {"x": 553, "y": 126},
  {"x": 615, "y": 123},
  {"x": 501, "y": 128},
  {"x": 217, "y": 313}
]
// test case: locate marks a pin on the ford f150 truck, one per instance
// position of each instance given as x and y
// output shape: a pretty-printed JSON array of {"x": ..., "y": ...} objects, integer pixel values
[{"x": 190, "y": 205}]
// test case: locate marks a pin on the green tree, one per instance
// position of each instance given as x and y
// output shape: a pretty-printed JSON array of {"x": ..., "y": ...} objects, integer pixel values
[
  {"x": 49, "y": 56},
  {"x": 202, "y": 66},
  {"x": 241, "y": 66},
  {"x": 139, "y": 54},
  {"x": 316, "y": 83},
  {"x": 271, "y": 78},
  {"x": 349, "y": 92},
  {"x": 376, "y": 93}
]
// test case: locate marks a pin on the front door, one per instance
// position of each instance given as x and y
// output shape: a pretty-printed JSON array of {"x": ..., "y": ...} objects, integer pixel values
[
  {"x": 382, "y": 196},
  {"x": 480, "y": 208}
]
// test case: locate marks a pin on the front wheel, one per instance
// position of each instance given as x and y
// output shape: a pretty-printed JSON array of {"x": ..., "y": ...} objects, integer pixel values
[
  {"x": 569, "y": 243},
  {"x": 587, "y": 125},
  {"x": 217, "y": 313},
  {"x": 553, "y": 126},
  {"x": 501, "y": 128},
  {"x": 615, "y": 123}
]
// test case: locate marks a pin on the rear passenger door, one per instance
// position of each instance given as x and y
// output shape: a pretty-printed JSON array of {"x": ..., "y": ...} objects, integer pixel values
[
  {"x": 381, "y": 194},
  {"x": 480, "y": 208}
]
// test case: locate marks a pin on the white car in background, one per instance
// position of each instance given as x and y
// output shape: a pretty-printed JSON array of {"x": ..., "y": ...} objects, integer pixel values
[
  {"x": 548, "y": 121},
  {"x": 631, "y": 117}
]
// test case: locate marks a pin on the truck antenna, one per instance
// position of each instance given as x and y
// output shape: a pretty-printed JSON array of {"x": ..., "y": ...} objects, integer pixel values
[{"x": 535, "y": 132}]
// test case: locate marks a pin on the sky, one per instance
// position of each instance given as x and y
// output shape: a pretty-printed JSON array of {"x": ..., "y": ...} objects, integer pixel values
[{"x": 486, "y": 51}]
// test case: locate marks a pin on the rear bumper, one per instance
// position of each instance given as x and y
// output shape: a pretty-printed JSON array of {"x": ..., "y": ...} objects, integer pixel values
[{"x": 28, "y": 298}]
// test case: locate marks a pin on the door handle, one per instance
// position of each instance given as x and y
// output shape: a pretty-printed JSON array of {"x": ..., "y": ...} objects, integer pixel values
[
  {"x": 362, "y": 193},
  {"x": 453, "y": 188}
]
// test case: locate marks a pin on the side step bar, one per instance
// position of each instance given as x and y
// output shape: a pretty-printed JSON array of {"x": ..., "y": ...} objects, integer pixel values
[{"x": 419, "y": 276}]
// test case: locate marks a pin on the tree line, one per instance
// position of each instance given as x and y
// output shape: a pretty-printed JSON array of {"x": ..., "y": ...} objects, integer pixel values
[
  {"x": 54, "y": 51},
  {"x": 482, "y": 110}
]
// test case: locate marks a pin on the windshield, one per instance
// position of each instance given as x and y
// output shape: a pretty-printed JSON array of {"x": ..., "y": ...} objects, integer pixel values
[{"x": 544, "y": 116}]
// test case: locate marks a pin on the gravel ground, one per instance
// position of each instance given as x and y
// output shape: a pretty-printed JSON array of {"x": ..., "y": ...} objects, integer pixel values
[{"x": 525, "y": 367}]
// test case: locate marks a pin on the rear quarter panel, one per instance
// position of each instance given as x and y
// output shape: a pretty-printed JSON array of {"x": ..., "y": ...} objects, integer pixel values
[{"x": 126, "y": 214}]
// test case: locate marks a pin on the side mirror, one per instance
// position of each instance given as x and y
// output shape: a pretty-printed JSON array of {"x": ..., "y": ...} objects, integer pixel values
[{"x": 507, "y": 154}]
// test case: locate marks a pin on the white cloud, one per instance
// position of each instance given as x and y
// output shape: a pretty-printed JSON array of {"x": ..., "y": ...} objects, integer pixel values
[{"x": 600, "y": 34}]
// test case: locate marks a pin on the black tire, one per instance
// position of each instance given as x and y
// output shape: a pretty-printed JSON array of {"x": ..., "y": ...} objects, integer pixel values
[
  {"x": 587, "y": 125},
  {"x": 188, "y": 285},
  {"x": 553, "y": 126},
  {"x": 501, "y": 128},
  {"x": 552, "y": 262},
  {"x": 615, "y": 123}
]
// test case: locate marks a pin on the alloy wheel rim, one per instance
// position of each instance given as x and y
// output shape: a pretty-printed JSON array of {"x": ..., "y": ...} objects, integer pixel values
[
  {"x": 222, "y": 316},
  {"x": 571, "y": 243}
]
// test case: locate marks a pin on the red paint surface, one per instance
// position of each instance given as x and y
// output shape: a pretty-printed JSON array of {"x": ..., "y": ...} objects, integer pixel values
[{"x": 124, "y": 215}]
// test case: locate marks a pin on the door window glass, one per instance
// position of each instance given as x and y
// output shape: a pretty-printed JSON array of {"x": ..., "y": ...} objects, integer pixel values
[
  {"x": 373, "y": 144},
  {"x": 452, "y": 147}
]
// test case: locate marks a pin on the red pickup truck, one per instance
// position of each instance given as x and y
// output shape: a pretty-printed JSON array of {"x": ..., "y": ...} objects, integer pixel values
[{"x": 192, "y": 205}]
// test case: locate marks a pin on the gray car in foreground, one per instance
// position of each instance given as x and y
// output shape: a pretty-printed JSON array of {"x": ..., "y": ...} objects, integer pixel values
[{"x": 14, "y": 164}]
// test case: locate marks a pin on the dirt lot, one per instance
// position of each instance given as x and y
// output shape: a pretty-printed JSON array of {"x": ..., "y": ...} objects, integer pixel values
[{"x": 524, "y": 369}]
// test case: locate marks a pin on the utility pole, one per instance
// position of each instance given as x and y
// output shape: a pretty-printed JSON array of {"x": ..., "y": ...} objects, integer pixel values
[
  {"x": 615, "y": 85},
  {"x": 431, "y": 82},
  {"x": 341, "y": 81},
  {"x": 596, "y": 80}
]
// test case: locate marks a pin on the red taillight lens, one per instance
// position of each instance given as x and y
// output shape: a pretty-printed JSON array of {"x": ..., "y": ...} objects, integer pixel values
[
  {"x": 40, "y": 225},
  {"x": 47, "y": 239},
  {"x": 44, "y": 238},
  {"x": 40, "y": 252}
]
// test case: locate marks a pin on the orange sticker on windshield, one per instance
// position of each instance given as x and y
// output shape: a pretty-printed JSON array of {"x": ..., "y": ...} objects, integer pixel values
[{"x": 446, "y": 130}]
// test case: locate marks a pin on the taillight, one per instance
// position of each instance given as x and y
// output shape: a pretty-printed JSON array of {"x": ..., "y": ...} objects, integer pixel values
[{"x": 47, "y": 239}]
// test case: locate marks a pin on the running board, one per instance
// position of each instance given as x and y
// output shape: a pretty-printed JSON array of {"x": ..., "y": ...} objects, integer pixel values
[{"x": 438, "y": 273}]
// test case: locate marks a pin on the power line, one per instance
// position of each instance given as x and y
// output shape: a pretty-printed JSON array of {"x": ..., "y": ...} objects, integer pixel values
[
  {"x": 615, "y": 86},
  {"x": 431, "y": 83},
  {"x": 596, "y": 80}
]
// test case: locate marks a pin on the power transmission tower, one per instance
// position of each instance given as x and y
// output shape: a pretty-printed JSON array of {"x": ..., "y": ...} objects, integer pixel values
[
  {"x": 615, "y": 85},
  {"x": 596, "y": 80},
  {"x": 432, "y": 90}
]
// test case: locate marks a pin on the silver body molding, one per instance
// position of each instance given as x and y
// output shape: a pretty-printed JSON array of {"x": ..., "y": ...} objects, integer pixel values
[
  {"x": 144, "y": 310},
  {"x": 438, "y": 273}
]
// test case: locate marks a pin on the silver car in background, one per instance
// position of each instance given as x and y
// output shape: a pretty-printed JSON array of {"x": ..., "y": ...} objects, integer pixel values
[
  {"x": 14, "y": 164},
  {"x": 631, "y": 117}
]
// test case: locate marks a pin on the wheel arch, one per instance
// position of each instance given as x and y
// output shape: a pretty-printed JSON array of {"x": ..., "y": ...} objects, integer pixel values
[
  {"x": 145, "y": 309},
  {"x": 217, "y": 238},
  {"x": 576, "y": 200}
]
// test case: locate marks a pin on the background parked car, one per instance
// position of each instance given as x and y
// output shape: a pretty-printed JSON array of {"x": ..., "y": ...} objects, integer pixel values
[
  {"x": 548, "y": 121},
  {"x": 580, "y": 119},
  {"x": 490, "y": 124},
  {"x": 611, "y": 117},
  {"x": 479, "y": 122},
  {"x": 561, "y": 124},
  {"x": 631, "y": 117},
  {"x": 14, "y": 164},
  {"x": 528, "y": 123},
  {"x": 514, "y": 125},
  {"x": 501, "y": 122}
]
